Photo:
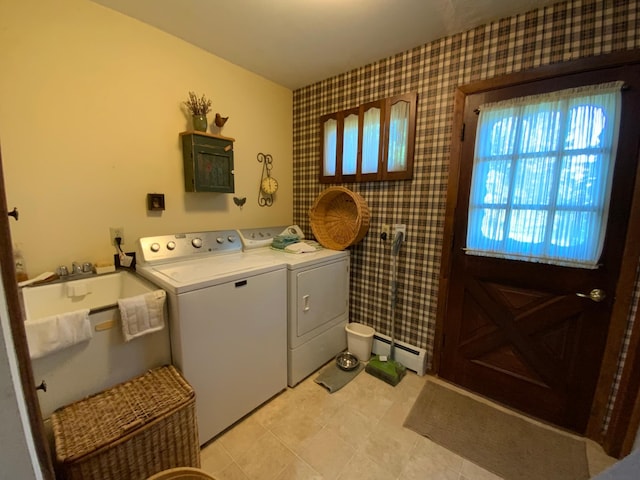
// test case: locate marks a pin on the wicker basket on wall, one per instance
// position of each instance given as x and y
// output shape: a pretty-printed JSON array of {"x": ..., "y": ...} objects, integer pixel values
[{"x": 339, "y": 218}]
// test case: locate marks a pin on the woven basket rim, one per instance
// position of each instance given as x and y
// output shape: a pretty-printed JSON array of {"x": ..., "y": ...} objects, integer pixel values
[
  {"x": 181, "y": 472},
  {"x": 350, "y": 225}
]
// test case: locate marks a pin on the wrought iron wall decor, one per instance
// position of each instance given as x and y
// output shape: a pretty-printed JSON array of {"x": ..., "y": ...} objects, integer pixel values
[{"x": 268, "y": 184}]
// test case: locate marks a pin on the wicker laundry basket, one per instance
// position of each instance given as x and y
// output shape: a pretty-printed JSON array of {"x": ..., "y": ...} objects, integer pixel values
[
  {"x": 182, "y": 473},
  {"x": 339, "y": 218},
  {"x": 131, "y": 431}
]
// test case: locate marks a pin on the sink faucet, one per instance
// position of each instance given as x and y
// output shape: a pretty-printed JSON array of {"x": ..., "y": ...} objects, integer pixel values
[{"x": 79, "y": 268}]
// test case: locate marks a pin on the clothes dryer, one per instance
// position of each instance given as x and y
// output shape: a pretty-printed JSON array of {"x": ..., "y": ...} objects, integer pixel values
[{"x": 317, "y": 299}]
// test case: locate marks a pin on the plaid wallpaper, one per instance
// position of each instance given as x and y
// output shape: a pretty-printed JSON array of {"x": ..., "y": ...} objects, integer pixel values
[{"x": 561, "y": 32}]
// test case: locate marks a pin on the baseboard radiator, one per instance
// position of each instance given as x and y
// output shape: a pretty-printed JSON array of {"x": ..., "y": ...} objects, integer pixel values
[{"x": 413, "y": 358}]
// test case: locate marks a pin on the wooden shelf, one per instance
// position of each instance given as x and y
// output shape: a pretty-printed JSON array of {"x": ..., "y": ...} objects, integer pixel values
[{"x": 206, "y": 134}]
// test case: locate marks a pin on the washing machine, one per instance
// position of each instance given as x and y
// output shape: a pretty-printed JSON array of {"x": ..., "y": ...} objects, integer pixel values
[
  {"x": 227, "y": 318},
  {"x": 317, "y": 299}
]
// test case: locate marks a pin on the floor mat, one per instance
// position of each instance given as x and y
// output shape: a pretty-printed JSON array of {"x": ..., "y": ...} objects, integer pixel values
[
  {"x": 500, "y": 442},
  {"x": 334, "y": 378}
]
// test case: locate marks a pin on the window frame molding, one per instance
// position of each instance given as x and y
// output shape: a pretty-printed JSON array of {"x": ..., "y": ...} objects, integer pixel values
[{"x": 382, "y": 173}]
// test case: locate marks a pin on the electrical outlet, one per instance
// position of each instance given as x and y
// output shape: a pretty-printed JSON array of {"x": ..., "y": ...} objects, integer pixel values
[
  {"x": 116, "y": 232},
  {"x": 399, "y": 227},
  {"x": 385, "y": 230}
]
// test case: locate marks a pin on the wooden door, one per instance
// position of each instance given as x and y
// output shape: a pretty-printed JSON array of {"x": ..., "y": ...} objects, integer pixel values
[
  {"x": 516, "y": 331},
  {"x": 18, "y": 334}
]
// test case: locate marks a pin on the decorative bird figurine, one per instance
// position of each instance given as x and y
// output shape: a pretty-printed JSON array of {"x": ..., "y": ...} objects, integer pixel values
[{"x": 220, "y": 120}]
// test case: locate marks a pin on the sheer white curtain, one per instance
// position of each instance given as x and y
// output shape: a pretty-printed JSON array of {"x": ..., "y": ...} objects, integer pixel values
[
  {"x": 370, "y": 140},
  {"x": 350, "y": 145},
  {"x": 398, "y": 137},
  {"x": 542, "y": 176},
  {"x": 330, "y": 143}
]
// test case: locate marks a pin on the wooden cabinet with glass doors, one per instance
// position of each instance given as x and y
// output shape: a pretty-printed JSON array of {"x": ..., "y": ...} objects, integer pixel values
[{"x": 371, "y": 142}]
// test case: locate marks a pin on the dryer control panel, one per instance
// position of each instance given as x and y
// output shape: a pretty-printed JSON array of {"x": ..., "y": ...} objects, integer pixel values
[{"x": 263, "y": 237}]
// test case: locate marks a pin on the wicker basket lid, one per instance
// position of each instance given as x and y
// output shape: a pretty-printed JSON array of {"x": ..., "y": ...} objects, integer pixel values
[
  {"x": 339, "y": 218},
  {"x": 89, "y": 424}
]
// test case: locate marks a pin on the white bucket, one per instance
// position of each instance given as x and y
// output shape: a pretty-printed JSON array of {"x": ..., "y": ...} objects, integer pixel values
[{"x": 360, "y": 340}]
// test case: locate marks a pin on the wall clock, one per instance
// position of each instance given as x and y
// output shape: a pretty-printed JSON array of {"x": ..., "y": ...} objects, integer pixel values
[{"x": 268, "y": 184}]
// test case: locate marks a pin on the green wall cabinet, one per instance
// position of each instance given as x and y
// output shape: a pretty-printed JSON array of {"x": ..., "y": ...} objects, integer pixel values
[{"x": 208, "y": 162}]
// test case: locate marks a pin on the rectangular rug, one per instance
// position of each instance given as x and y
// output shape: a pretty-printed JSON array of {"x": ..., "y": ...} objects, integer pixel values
[
  {"x": 333, "y": 378},
  {"x": 503, "y": 443}
]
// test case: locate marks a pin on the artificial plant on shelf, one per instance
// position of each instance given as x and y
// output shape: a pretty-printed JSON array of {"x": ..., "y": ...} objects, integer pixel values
[{"x": 199, "y": 107}]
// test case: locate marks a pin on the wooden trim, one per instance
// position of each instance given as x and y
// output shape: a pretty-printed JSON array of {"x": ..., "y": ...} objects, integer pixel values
[
  {"x": 407, "y": 173},
  {"x": 634, "y": 421},
  {"x": 16, "y": 322},
  {"x": 621, "y": 429},
  {"x": 322, "y": 178},
  {"x": 206, "y": 134},
  {"x": 554, "y": 70},
  {"x": 621, "y": 434},
  {"x": 449, "y": 219},
  {"x": 625, "y": 415}
]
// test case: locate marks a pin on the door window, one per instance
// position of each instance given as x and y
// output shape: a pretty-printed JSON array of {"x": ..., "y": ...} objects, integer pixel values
[{"x": 542, "y": 176}]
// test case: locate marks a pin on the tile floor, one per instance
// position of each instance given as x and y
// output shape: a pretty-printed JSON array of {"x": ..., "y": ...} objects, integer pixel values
[{"x": 355, "y": 433}]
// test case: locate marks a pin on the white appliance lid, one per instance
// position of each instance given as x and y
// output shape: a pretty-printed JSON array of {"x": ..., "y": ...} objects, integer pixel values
[{"x": 195, "y": 271}]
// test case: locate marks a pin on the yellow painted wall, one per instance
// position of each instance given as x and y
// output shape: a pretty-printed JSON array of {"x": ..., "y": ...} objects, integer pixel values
[{"x": 90, "y": 112}]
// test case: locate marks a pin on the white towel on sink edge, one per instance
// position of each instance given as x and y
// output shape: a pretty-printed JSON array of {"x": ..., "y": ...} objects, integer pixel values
[
  {"x": 50, "y": 334},
  {"x": 142, "y": 314}
]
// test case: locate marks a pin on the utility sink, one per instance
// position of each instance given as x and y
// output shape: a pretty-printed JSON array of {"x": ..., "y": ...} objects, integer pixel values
[
  {"x": 106, "y": 359},
  {"x": 92, "y": 292}
]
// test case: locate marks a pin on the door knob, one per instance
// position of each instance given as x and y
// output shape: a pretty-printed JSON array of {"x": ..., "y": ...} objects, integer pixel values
[{"x": 596, "y": 295}]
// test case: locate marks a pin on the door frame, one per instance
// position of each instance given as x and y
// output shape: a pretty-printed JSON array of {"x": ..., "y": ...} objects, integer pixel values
[
  {"x": 18, "y": 334},
  {"x": 625, "y": 417}
]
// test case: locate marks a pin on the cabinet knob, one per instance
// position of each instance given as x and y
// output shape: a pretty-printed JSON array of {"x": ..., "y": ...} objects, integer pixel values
[{"x": 42, "y": 386}]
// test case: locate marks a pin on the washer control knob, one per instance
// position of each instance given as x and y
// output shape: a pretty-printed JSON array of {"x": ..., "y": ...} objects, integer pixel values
[
  {"x": 219, "y": 239},
  {"x": 155, "y": 247},
  {"x": 231, "y": 238},
  {"x": 171, "y": 245},
  {"x": 196, "y": 242}
]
